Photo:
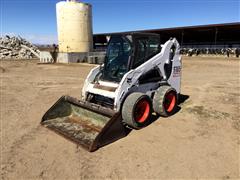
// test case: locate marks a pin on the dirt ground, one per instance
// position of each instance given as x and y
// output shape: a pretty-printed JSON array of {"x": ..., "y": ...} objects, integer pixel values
[{"x": 200, "y": 141}]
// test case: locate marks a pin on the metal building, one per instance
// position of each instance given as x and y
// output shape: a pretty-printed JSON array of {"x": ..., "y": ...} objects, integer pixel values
[{"x": 225, "y": 35}]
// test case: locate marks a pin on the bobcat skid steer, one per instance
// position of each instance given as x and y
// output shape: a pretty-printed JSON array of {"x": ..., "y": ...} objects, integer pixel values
[{"x": 139, "y": 77}]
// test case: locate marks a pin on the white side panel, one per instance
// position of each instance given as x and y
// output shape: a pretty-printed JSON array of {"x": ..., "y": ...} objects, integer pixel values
[
  {"x": 91, "y": 76},
  {"x": 175, "y": 78}
]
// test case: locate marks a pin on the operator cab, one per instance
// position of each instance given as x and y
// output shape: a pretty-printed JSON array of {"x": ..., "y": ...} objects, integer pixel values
[{"x": 128, "y": 51}]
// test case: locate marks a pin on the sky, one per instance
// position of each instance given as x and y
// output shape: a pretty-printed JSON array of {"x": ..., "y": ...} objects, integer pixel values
[{"x": 35, "y": 20}]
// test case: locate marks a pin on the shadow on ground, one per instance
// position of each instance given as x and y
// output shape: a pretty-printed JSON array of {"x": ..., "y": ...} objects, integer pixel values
[{"x": 125, "y": 131}]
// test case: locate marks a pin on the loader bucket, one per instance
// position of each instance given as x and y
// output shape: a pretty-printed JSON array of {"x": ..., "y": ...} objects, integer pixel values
[{"x": 90, "y": 125}]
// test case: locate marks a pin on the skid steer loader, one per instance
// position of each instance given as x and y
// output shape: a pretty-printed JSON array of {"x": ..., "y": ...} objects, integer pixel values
[{"x": 138, "y": 78}]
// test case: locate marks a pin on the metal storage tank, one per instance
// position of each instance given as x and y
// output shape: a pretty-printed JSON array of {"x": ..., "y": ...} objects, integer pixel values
[{"x": 74, "y": 24}]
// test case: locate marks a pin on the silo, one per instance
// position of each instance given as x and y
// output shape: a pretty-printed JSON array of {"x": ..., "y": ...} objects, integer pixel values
[{"x": 74, "y": 25}]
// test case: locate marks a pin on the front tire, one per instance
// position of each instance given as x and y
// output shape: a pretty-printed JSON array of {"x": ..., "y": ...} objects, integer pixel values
[{"x": 137, "y": 110}]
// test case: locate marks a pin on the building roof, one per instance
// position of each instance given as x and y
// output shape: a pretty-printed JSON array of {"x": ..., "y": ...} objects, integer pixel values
[
  {"x": 233, "y": 25},
  {"x": 211, "y": 34}
]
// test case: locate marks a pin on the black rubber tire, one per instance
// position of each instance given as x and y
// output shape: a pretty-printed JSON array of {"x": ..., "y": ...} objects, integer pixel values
[
  {"x": 129, "y": 107},
  {"x": 160, "y": 98}
]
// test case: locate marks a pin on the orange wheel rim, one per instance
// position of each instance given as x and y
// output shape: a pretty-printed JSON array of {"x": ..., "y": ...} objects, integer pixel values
[
  {"x": 170, "y": 101},
  {"x": 142, "y": 111}
]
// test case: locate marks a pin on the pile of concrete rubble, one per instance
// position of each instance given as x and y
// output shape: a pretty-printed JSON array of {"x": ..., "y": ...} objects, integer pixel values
[{"x": 17, "y": 48}]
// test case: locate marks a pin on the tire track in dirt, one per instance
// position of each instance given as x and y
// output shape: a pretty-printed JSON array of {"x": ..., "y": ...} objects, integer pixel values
[
  {"x": 17, "y": 147},
  {"x": 2, "y": 69},
  {"x": 13, "y": 152},
  {"x": 169, "y": 149},
  {"x": 206, "y": 114},
  {"x": 28, "y": 135},
  {"x": 88, "y": 163}
]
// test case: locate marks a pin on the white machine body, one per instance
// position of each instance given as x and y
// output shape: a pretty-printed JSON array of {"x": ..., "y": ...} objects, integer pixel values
[{"x": 130, "y": 81}]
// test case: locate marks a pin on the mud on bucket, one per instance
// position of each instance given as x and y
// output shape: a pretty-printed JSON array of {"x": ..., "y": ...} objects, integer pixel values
[{"x": 89, "y": 125}]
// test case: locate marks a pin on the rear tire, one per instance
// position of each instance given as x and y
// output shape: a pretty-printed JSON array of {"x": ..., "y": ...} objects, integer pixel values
[
  {"x": 137, "y": 110},
  {"x": 165, "y": 101}
]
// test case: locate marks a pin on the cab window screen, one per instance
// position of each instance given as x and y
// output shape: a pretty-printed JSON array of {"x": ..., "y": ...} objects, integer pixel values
[
  {"x": 145, "y": 49},
  {"x": 153, "y": 47},
  {"x": 141, "y": 51},
  {"x": 116, "y": 61}
]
